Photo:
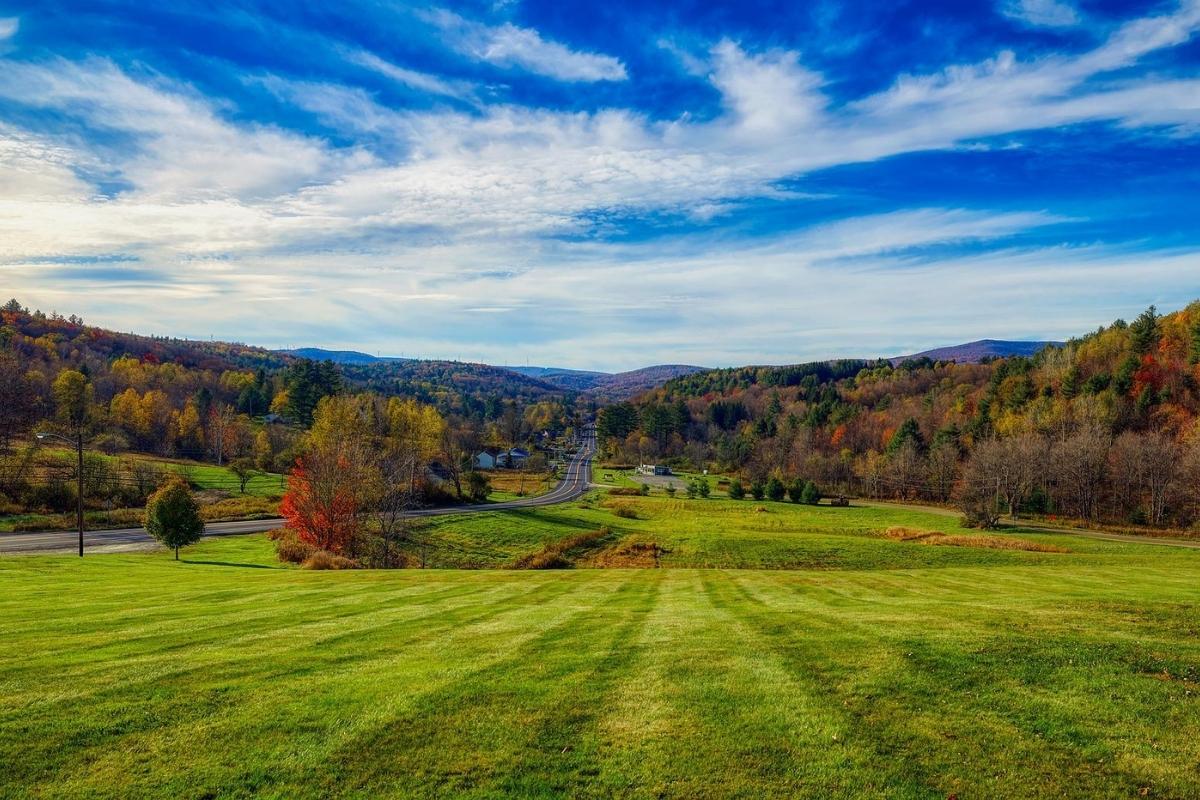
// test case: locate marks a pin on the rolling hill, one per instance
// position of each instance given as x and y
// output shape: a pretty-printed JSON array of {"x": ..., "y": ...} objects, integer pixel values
[{"x": 974, "y": 352}]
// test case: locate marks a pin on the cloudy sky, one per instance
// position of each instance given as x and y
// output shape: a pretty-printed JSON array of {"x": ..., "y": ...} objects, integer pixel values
[{"x": 601, "y": 185}]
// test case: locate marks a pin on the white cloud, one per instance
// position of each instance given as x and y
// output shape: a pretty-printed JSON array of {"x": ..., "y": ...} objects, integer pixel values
[
  {"x": 1048, "y": 13},
  {"x": 509, "y": 46},
  {"x": 459, "y": 210},
  {"x": 8, "y": 27},
  {"x": 420, "y": 81}
]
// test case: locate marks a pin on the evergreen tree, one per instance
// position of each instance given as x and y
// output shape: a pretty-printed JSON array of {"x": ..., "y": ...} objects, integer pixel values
[{"x": 1145, "y": 331}]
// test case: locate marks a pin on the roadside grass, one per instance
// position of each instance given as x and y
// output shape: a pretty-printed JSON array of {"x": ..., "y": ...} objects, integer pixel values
[
  {"x": 514, "y": 484},
  {"x": 987, "y": 674}
]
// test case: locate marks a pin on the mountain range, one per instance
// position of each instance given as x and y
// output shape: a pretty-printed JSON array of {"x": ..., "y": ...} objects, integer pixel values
[{"x": 974, "y": 352}]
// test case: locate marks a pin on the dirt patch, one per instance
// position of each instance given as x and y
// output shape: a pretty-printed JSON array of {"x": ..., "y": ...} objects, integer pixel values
[
  {"x": 627, "y": 554},
  {"x": 563, "y": 553},
  {"x": 900, "y": 533}
]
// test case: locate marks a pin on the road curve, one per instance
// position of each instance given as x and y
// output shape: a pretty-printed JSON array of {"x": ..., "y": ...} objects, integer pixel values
[{"x": 573, "y": 485}]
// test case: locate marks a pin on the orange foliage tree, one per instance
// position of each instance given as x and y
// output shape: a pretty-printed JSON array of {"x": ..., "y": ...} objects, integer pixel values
[{"x": 321, "y": 505}]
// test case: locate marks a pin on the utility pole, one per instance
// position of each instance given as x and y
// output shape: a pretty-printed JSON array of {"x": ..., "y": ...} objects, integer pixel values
[{"x": 78, "y": 442}]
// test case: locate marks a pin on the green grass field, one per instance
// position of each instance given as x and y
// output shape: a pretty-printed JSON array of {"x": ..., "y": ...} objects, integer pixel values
[{"x": 834, "y": 663}]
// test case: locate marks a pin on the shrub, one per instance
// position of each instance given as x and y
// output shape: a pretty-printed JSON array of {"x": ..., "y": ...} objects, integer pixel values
[
  {"x": 758, "y": 490},
  {"x": 736, "y": 490},
  {"x": 644, "y": 490},
  {"x": 775, "y": 490},
  {"x": 626, "y": 512},
  {"x": 56, "y": 496},
  {"x": 810, "y": 495},
  {"x": 289, "y": 548},
  {"x": 624, "y": 491},
  {"x": 323, "y": 559},
  {"x": 478, "y": 487},
  {"x": 671, "y": 490},
  {"x": 795, "y": 490}
]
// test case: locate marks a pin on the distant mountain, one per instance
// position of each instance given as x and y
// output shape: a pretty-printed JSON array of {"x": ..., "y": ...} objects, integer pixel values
[
  {"x": 620, "y": 385},
  {"x": 338, "y": 356},
  {"x": 577, "y": 380},
  {"x": 624, "y": 385},
  {"x": 531, "y": 380},
  {"x": 974, "y": 352}
]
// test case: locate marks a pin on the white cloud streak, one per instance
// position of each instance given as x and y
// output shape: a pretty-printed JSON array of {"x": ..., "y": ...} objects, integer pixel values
[
  {"x": 464, "y": 217},
  {"x": 509, "y": 46}
]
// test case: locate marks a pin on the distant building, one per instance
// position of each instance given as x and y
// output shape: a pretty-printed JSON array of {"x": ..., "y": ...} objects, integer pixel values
[
  {"x": 515, "y": 458},
  {"x": 653, "y": 469},
  {"x": 487, "y": 459},
  {"x": 492, "y": 458}
]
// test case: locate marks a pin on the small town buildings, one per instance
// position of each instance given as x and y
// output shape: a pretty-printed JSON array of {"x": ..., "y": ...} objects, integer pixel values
[{"x": 653, "y": 469}]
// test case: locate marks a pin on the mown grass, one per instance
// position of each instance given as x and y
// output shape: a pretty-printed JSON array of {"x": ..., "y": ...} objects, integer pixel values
[{"x": 982, "y": 674}]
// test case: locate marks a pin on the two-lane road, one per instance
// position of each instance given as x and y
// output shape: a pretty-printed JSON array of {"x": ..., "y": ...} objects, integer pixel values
[{"x": 573, "y": 485}]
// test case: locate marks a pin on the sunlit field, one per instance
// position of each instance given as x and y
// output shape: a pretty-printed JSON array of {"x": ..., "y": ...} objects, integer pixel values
[{"x": 815, "y": 659}]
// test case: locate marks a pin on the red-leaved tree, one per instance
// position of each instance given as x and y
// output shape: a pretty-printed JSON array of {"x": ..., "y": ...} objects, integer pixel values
[{"x": 321, "y": 504}]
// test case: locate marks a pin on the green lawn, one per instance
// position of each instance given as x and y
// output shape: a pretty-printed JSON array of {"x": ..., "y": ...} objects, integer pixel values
[{"x": 853, "y": 667}]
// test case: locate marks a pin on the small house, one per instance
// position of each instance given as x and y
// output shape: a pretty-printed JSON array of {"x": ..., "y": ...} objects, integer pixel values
[{"x": 487, "y": 459}]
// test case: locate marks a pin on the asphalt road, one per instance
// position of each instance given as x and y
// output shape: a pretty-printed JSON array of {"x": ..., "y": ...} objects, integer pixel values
[{"x": 573, "y": 484}]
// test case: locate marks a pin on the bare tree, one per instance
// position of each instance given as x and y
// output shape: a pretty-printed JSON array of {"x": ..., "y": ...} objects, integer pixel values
[
  {"x": 904, "y": 474},
  {"x": 942, "y": 470},
  {"x": 1079, "y": 465},
  {"x": 1146, "y": 466},
  {"x": 1011, "y": 468}
]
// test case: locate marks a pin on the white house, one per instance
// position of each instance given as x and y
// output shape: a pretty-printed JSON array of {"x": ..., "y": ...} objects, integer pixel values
[{"x": 487, "y": 459}]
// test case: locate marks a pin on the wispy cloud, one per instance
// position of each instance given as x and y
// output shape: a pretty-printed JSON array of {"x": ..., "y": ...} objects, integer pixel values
[
  {"x": 419, "y": 81},
  {"x": 9, "y": 27},
  {"x": 509, "y": 46},
  {"x": 1049, "y": 13}
]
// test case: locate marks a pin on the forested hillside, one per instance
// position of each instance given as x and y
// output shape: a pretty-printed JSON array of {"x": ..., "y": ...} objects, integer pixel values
[
  {"x": 171, "y": 405},
  {"x": 1103, "y": 427}
]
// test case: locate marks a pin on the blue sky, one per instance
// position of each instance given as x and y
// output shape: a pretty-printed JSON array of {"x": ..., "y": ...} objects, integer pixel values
[{"x": 601, "y": 185}]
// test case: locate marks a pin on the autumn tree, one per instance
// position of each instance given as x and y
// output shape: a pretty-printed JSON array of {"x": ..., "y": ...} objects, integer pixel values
[
  {"x": 16, "y": 399},
  {"x": 172, "y": 515},
  {"x": 73, "y": 398},
  {"x": 244, "y": 470}
]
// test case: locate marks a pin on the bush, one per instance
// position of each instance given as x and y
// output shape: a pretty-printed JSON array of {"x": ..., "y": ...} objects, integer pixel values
[
  {"x": 626, "y": 512},
  {"x": 323, "y": 559},
  {"x": 289, "y": 548},
  {"x": 478, "y": 487},
  {"x": 736, "y": 490},
  {"x": 671, "y": 490},
  {"x": 795, "y": 490},
  {"x": 624, "y": 491},
  {"x": 811, "y": 495},
  {"x": 757, "y": 490},
  {"x": 775, "y": 490},
  {"x": 644, "y": 490},
  {"x": 51, "y": 497}
]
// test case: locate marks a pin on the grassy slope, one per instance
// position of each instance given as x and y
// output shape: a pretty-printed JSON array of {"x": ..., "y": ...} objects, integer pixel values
[{"x": 945, "y": 670}]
